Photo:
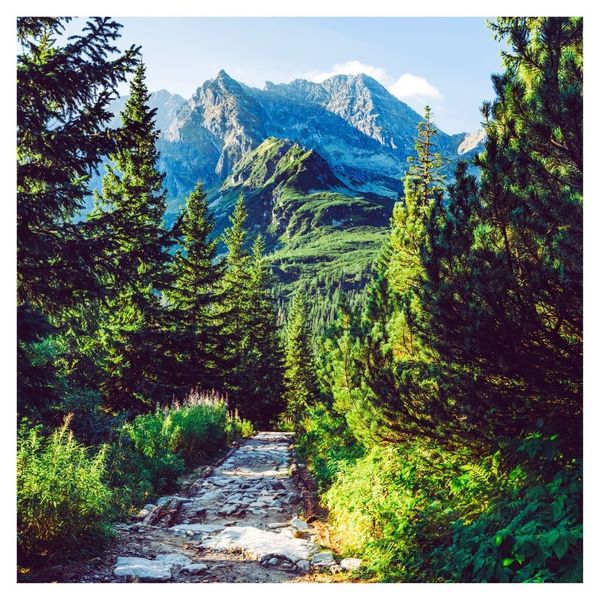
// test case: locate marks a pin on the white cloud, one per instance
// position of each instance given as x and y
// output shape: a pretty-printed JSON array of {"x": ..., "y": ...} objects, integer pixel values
[
  {"x": 413, "y": 86},
  {"x": 408, "y": 87},
  {"x": 352, "y": 67}
]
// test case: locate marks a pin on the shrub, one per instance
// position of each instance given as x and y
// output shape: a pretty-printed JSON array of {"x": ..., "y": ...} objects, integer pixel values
[
  {"x": 327, "y": 443},
  {"x": 419, "y": 512},
  {"x": 145, "y": 451},
  {"x": 533, "y": 535},
  {"x": 197, "y": 433},
  {"x": 239, "y": 428},
  {"x": 63, "y": 504},
  {"x": 394, "y": 505}
]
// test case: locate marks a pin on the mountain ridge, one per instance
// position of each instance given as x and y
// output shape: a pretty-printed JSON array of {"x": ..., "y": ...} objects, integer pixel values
[{"x": 363, "y": 131}]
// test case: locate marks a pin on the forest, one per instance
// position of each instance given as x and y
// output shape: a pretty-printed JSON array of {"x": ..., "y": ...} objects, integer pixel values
[{"x": 438, "y": 407}]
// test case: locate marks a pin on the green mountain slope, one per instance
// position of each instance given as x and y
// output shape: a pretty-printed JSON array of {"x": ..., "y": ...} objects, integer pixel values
[{"x": 316, "y": 227}]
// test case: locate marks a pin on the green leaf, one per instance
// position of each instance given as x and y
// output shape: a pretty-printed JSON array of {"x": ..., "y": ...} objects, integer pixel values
[
  {"x": 499, "y": 539},
  {"x": 551, "y": 537},
  {"x": 507, "y": 562},
  {"x": 560, "y": 548},
  {"x": 558, "y": 508}
]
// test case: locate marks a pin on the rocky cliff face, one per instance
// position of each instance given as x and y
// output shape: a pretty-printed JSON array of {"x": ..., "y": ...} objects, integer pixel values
[
  {"x": 319, "y": 164},
  {"x": 353, "y": 122}
]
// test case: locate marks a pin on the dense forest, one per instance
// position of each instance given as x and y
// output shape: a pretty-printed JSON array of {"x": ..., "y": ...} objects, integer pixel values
[{"x": 439, "y": 408}]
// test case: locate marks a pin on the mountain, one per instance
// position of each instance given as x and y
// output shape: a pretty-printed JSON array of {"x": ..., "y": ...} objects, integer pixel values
[
  {"x": 314, "y": 224},
  {"x": 320, "y": 164},
  {"x": 363, "y": 131}
]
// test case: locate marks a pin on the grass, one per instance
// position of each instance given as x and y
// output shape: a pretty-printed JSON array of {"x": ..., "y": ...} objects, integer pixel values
[
  {"x": 68, "y": 495},
  {"x": 64, "y": 506}
]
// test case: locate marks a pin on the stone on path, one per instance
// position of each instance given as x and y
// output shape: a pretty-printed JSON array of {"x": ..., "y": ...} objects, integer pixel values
[
  {"x": 195, "y": 568},
  {"x": 299, "y": 524},
  {"x": 351, "y": 564},
  {"x": 323, "y": 559},
  {"x": 162, "y": 568},
  {"x": 259, "y": 543},
  {"x": 303, "y": 565},
  {"x": 196, "y": 529}
]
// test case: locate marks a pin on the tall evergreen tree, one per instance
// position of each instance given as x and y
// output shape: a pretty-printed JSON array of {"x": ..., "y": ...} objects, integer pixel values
[
  {"x": 300, "y": 378},
  {"x": 253, "y": 354},
  {"x": 194, "y": 298},
  {"x": 236, "y": 301},
  {"x": 64, "y": 89},
  {"x": 131, "y": 211},
  {"x": 504, "y": 286},
  {"x": 262, "y": 352},
  {"x": 398, "y": 366}
]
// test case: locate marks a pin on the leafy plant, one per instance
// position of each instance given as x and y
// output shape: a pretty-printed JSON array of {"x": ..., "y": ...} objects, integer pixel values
[
  {"x": 63, "y": 502},
  {"x": 533, "y": 535}
]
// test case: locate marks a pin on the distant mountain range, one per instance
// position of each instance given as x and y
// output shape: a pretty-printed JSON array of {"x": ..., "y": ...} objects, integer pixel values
[{"x": 320, "y": 164}]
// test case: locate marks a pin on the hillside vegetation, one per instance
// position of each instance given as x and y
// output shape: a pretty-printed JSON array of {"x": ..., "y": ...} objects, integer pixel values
[{"x": 427, "y": 352}]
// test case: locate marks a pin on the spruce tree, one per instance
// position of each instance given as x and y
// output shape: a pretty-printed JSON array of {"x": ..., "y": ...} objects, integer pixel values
[
  {"x": 236, "y": 302},
  {"x": 135, "y": 364},
  {"x": 64, "y": 88},
  {"x": 399, "y": 369},
  {"x": 194, "y": 298},
  {"x": 300, "y": 378},
  {"x": 262, "y": 356}
]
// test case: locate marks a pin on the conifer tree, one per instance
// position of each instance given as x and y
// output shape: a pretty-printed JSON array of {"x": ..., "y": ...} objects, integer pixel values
[
  {"x": 64, "y": 89},
  {"x": 504, "y": 290},
  {"x": 194, "y": 298},
  {"x": 131, "y": 208},
  {"x": 300, "y": 379},
  {"x": 399, "y": 369},
  {"x": 236, "y": 301},
  {"x": 262, "y": 352}
]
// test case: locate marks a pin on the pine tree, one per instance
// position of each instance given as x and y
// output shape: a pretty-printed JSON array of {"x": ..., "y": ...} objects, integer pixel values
[
  {"x": 64, "y": 89},
  {"x": 300, "y": 378},
  {"x": 504, "y": 285},
  {"x": 131, "y": 209},
  {"x": 398, "y": 366},
  {"x": 423, "y": 190},
  {"x": 194, "y": 298},
  {"x": 236, "y": 302},
  {"x": 263, "y": 356}
]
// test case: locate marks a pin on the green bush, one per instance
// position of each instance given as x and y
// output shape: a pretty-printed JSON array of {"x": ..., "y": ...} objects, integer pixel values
[
  {"x": 326, "y": 443},
  {"x": 239, "y": 428},
  {"x": 63, "y": 503},
  {"x": 533, "y": 535},
  {"x": 396, "y": 504},
  {"x": 420, "y": 512},
  {"x": 197, "y": 433},
  {"x": 146, "y": 446},
  {"x": 154, "y": 449}
]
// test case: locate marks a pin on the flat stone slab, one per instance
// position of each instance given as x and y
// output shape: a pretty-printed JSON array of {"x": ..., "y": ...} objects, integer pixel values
[
  {"x": 259, "y": 543},
  {"x": 197, "y": 528},
  {"x": 159, "y": 569},
  {"x": 299, "y": 524},
  {"x": 351, "y": 564},
  {"x": 195, "y": 568},
  {"x": 323, "y": 559}
]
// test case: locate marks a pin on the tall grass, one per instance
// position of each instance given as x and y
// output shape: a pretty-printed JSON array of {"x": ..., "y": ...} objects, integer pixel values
[
  {"x": 68, "y": 495},
  {"x": 64, "y": 506}
]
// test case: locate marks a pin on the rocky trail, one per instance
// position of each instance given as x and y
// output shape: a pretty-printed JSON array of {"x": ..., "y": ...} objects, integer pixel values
[{"x": 235, "y": 523}]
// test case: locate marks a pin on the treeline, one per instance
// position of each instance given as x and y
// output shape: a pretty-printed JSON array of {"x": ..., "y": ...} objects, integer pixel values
[
  {"x": 119, "y": 305},
  {"x": 124, "y": 324},
  {"x": 447, "y": 434}
]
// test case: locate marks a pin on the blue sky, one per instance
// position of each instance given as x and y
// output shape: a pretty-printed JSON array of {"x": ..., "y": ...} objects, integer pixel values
[{"x": 445, "y": 62}]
